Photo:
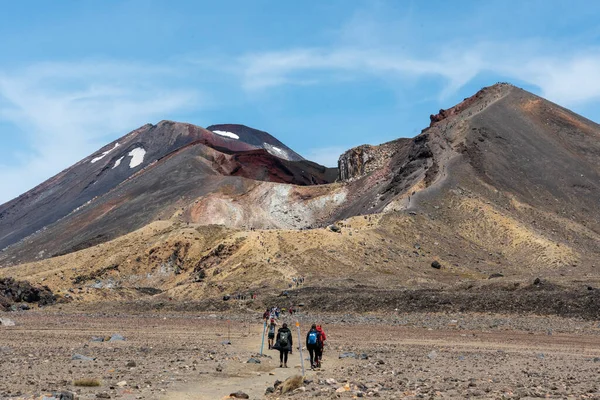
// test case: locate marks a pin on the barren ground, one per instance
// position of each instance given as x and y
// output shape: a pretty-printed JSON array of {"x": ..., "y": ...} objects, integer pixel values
[{"x": 418, "y": 355}]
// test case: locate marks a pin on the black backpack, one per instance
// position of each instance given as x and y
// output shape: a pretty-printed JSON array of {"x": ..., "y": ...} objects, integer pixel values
[{"x": 283, "y": 338}]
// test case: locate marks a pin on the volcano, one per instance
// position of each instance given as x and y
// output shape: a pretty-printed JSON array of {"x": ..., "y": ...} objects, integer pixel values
[
  {"x": 145, "y": 176},
  {"x": 500, "y": 191}
]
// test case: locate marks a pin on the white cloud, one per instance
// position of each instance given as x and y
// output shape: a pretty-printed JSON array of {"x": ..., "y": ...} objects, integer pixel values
[
  {"x": 568, "y": 80},
  {"x": 563, "y": 77},
  {"x": 66, "y": 111},
  {"x": 261, "y": 71}
]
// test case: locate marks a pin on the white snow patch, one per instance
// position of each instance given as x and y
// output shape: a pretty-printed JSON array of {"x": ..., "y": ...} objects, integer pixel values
[
  {"x": 104, "y": 154},
  {"x": 118, "y": 162},
  {"x": 276, "y": 151},
  {"x": 137, "y": 157},
  {"x": 227, "y": 134}
]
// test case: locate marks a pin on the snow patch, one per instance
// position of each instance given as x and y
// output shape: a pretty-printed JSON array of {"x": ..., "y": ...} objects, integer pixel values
[
  {"x": 104, "y": 154},
  {"x": 118, "y": 162},
  {"x": 276, "y": 151},
  {"x": 137, "y": 157},
  {"x": 227, "y": 134}
]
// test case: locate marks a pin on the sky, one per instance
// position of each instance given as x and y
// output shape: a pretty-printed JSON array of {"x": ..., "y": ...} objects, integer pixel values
[{"x": 321, "y": 76}]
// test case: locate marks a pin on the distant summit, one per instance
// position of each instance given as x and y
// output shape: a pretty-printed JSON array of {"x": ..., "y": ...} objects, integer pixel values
[
  {"x": 137, "y": 178},
  {"x": 256, "y": 138}
]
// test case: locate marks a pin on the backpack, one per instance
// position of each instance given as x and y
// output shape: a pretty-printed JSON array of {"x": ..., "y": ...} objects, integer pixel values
[
  {"x": 312, "y": 337},
  {"x": 283, "y": 339}
]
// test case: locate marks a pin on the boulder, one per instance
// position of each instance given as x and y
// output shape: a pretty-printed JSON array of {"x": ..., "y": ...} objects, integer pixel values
[
  {"x": 239, "y": 395},
  {"x": 116, "y": 338}
]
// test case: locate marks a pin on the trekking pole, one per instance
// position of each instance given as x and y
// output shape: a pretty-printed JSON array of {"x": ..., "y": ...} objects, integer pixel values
[
  {"x": 229, "y": 330},
  {"x": 300, "y": 347},
  {"x": 262, "y": 344}
]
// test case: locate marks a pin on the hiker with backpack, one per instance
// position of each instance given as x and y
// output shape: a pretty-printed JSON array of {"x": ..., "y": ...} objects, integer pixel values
[
  {"x": 321, "y": 345},
  {"x": 271, "y": 333},
  {"x": 313, "y": 344},
  {"x": 284, "y": 344}
]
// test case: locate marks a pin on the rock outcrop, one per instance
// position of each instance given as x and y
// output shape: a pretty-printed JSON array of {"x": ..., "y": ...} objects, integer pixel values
[
  {"x": 13, "y": 291},
  {"x": 362, "y": 160}
]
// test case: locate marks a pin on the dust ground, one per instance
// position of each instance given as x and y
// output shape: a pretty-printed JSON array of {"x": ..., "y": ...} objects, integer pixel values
[{"x": 416, "y": 355}]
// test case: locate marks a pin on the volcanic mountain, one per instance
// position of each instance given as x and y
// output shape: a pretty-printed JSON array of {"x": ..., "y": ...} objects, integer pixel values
[
  {"x": 499, "y": 190},
  {"x": 145, "y": 176}
]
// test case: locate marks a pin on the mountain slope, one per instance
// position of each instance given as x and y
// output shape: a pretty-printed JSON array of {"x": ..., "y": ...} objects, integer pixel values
[
  {"x": 501, "y": 189},
  {"x": 143, "y": 176}
]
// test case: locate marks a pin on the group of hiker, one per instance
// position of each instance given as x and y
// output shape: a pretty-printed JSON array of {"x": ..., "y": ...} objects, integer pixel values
[
  {"x": 296, "y": 281},
  {"x": 315, "y": 342}
]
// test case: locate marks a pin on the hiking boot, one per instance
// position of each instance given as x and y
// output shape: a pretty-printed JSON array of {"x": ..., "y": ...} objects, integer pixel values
[{"x": 285, "y": 365}]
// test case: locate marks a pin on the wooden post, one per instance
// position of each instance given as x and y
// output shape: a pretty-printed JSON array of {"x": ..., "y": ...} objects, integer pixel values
[{"x": 300, "y": 346}]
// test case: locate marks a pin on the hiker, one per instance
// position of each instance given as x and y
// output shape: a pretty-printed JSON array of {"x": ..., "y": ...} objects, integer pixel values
[
  {"x": 266, "y": 315},
  {"x": 284, "y": 344},
  {"x": 313, "y": 344},
  {"x": 271, "y": 332},
  {"x": 321, "y": 344}
]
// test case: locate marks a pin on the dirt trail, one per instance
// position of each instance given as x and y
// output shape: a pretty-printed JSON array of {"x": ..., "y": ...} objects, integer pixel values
[{"x": 252, "y": 379}]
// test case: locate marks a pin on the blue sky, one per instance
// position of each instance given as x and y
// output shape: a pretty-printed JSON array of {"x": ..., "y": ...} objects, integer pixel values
[{"x": 321, "y": 76}]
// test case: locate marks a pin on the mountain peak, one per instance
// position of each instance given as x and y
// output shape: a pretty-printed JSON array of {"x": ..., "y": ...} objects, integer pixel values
[{"x": 474, "y": 103}]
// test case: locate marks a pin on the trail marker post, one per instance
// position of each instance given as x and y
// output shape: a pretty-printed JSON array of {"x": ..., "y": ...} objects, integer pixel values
[
  {"x": 229, "y": 331},
  {"x": 262, "y": 343},
  {"x": 300, "y": 347}
]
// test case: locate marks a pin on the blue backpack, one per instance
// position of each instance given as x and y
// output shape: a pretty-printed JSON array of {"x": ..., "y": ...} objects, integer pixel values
[{"x": 312, "y": 337}]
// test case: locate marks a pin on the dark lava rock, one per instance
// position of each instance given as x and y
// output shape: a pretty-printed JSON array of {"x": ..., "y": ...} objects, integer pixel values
[
  {"x": 131, "y": 364},
  {"x": 495, "y": 275},
  {"x": 239, "y": 395},
  {"x": 335, "y": 228},
  {"x": 348, "y": 355},
  {"x": 253, "y": 361},
  {"x": 12, "y": 291},
  {"x": 436, "y": 265}
]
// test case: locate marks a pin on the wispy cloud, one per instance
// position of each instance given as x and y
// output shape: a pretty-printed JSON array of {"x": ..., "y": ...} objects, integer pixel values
[
  {"x": 316, "y": 65},
  {"x": 65, "y": 111},
  {"x": 567, "y": 78}
]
